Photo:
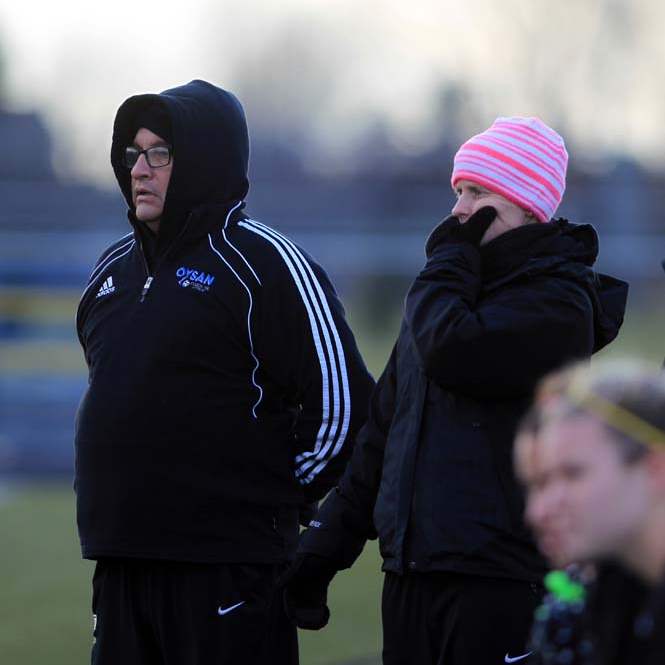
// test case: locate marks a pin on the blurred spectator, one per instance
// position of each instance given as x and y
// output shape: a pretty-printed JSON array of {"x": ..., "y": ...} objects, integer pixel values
[{"x": 594, "y": 469}]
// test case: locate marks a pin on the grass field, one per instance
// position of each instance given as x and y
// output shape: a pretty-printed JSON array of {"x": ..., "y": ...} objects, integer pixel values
[{"x": 45, "y": 587}]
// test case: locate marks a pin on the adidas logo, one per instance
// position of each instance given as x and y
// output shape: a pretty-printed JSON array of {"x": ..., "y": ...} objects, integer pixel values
[{"x": 106, "y": 288}]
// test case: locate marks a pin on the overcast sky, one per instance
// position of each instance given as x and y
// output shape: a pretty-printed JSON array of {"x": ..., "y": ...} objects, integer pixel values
[{"x": 591, "y": 68}]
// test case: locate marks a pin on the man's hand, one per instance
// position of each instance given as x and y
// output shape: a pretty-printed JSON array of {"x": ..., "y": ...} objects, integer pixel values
[
  {"x": 306, "y": 591},
  {"x": 451, "y": 231}
]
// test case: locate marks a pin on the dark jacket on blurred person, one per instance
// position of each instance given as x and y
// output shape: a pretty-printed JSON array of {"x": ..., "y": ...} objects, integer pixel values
[
  {"x": 621, "y": 616},
  {"x": 615, "y": 620},
  {"x": 225, "y": 386}
]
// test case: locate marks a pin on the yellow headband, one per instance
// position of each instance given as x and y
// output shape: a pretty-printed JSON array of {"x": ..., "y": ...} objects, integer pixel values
[{"x": 616, "y": 416}]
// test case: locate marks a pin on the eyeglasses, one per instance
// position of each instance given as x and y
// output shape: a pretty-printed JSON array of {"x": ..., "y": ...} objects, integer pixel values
[{"x": 157, "y": 156}]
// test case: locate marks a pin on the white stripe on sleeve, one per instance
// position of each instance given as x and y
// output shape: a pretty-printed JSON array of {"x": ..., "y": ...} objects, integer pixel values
[
  {"x": 249, "y": 326},
  {"x": 332, "y": 433}
]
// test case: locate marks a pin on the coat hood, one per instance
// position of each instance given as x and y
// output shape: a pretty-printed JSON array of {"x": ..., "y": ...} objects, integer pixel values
[
  {"x": 560, "y": 249},
  {"x": 210, "y": 150}
]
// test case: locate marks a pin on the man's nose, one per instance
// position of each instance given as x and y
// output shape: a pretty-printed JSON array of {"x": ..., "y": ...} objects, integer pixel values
[{"x": 141, "y": 169}]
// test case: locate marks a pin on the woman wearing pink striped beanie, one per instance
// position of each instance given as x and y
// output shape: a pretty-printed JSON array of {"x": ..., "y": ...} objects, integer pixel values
[
  {"x": 517, "y": 166},
  {"x": 502, "y": 300}
]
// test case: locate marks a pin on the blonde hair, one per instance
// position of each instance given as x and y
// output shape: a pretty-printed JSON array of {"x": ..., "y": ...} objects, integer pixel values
[{"x": 627, "y": 397}]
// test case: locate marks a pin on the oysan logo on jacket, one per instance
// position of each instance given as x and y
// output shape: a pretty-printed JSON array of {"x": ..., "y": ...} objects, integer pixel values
[{"x": 194, "y": 279}]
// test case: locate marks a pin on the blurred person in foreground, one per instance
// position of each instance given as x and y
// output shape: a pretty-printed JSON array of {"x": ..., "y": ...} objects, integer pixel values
[
  {"x": 579, "y": 621},
  {"x": 225, "y": 392},
  {"x": 507, "y": 294},
  {"x": 595, "y": 479}
]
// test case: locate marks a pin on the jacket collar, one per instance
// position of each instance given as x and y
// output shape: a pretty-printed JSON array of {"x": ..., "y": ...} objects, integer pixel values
[
  {"x": 536, "y": 248},
  {"x": 204, "y": 219}
]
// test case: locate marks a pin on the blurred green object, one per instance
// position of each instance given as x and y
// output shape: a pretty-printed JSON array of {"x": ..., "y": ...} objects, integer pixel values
[{"x": 563, "y": 588}]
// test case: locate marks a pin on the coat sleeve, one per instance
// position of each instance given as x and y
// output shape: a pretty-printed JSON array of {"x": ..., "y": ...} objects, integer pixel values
[
  {"x": 499, "y": 345},
  {"x": 308, "y": 353},
  {"x": 345, "y": 520}
]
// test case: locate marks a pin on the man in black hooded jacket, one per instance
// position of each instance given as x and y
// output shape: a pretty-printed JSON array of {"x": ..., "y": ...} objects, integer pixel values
[
  {"x": 506, "y": 295},
  {"x": 225, "y": 393}
]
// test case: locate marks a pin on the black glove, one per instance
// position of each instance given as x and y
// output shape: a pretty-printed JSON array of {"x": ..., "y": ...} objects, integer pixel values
[
  {"x": 305, "y": 586},
  {"x": 451, "y": 231}
]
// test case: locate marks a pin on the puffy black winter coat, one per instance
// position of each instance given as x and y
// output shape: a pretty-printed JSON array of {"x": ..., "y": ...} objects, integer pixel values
[{"x": 431, "y": 474}]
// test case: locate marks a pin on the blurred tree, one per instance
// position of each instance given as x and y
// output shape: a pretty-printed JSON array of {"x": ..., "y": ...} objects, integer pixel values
[{"x": 24, "y": 138}]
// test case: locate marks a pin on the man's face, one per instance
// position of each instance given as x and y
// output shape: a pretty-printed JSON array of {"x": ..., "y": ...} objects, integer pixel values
[
  {"x": 471, "y": 197},
  {"x": 583, "y": 501},
  {"x": 149, "y": 185}
]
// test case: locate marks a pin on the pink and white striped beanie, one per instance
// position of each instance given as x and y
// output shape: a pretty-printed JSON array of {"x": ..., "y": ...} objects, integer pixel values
[{"x": 522, "y": 159}]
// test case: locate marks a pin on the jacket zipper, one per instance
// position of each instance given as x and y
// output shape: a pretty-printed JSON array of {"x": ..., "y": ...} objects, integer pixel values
[
  {"x": 146, "y": 287},
  {"x": 151, "y": 278}
]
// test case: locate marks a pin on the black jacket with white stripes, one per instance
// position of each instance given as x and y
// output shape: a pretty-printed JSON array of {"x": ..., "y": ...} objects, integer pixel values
[{"x": 225, "y": 387}]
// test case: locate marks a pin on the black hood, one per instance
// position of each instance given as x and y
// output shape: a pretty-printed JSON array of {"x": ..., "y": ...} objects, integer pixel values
[
  {"x": 210, "y": 150},
  {"x": 558, "y": 248}
]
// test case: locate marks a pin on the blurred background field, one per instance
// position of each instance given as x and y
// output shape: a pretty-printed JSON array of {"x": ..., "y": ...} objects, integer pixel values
[{"x": 355, "y": 111}]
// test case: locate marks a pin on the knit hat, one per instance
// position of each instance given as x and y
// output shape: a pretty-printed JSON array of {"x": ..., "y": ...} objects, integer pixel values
[{"x": 522, "y": 159}]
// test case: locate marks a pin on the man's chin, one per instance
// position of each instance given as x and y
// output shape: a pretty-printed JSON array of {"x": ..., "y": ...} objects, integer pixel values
[{"x": 147, "y": 214}]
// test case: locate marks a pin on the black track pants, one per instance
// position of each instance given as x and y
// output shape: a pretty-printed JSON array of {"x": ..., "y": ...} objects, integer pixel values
[
  {"x": 165, "y": 613},
  {"x": 451, "y": 619}
]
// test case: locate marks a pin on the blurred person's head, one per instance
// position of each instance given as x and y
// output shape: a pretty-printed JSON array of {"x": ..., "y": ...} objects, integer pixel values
[
  {"x": 594, "y": 468},
  {"x": 517, "y": 166}
]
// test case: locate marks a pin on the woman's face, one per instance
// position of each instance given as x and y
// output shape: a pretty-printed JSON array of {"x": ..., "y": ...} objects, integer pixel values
[{"x": 471, "y": 197}]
